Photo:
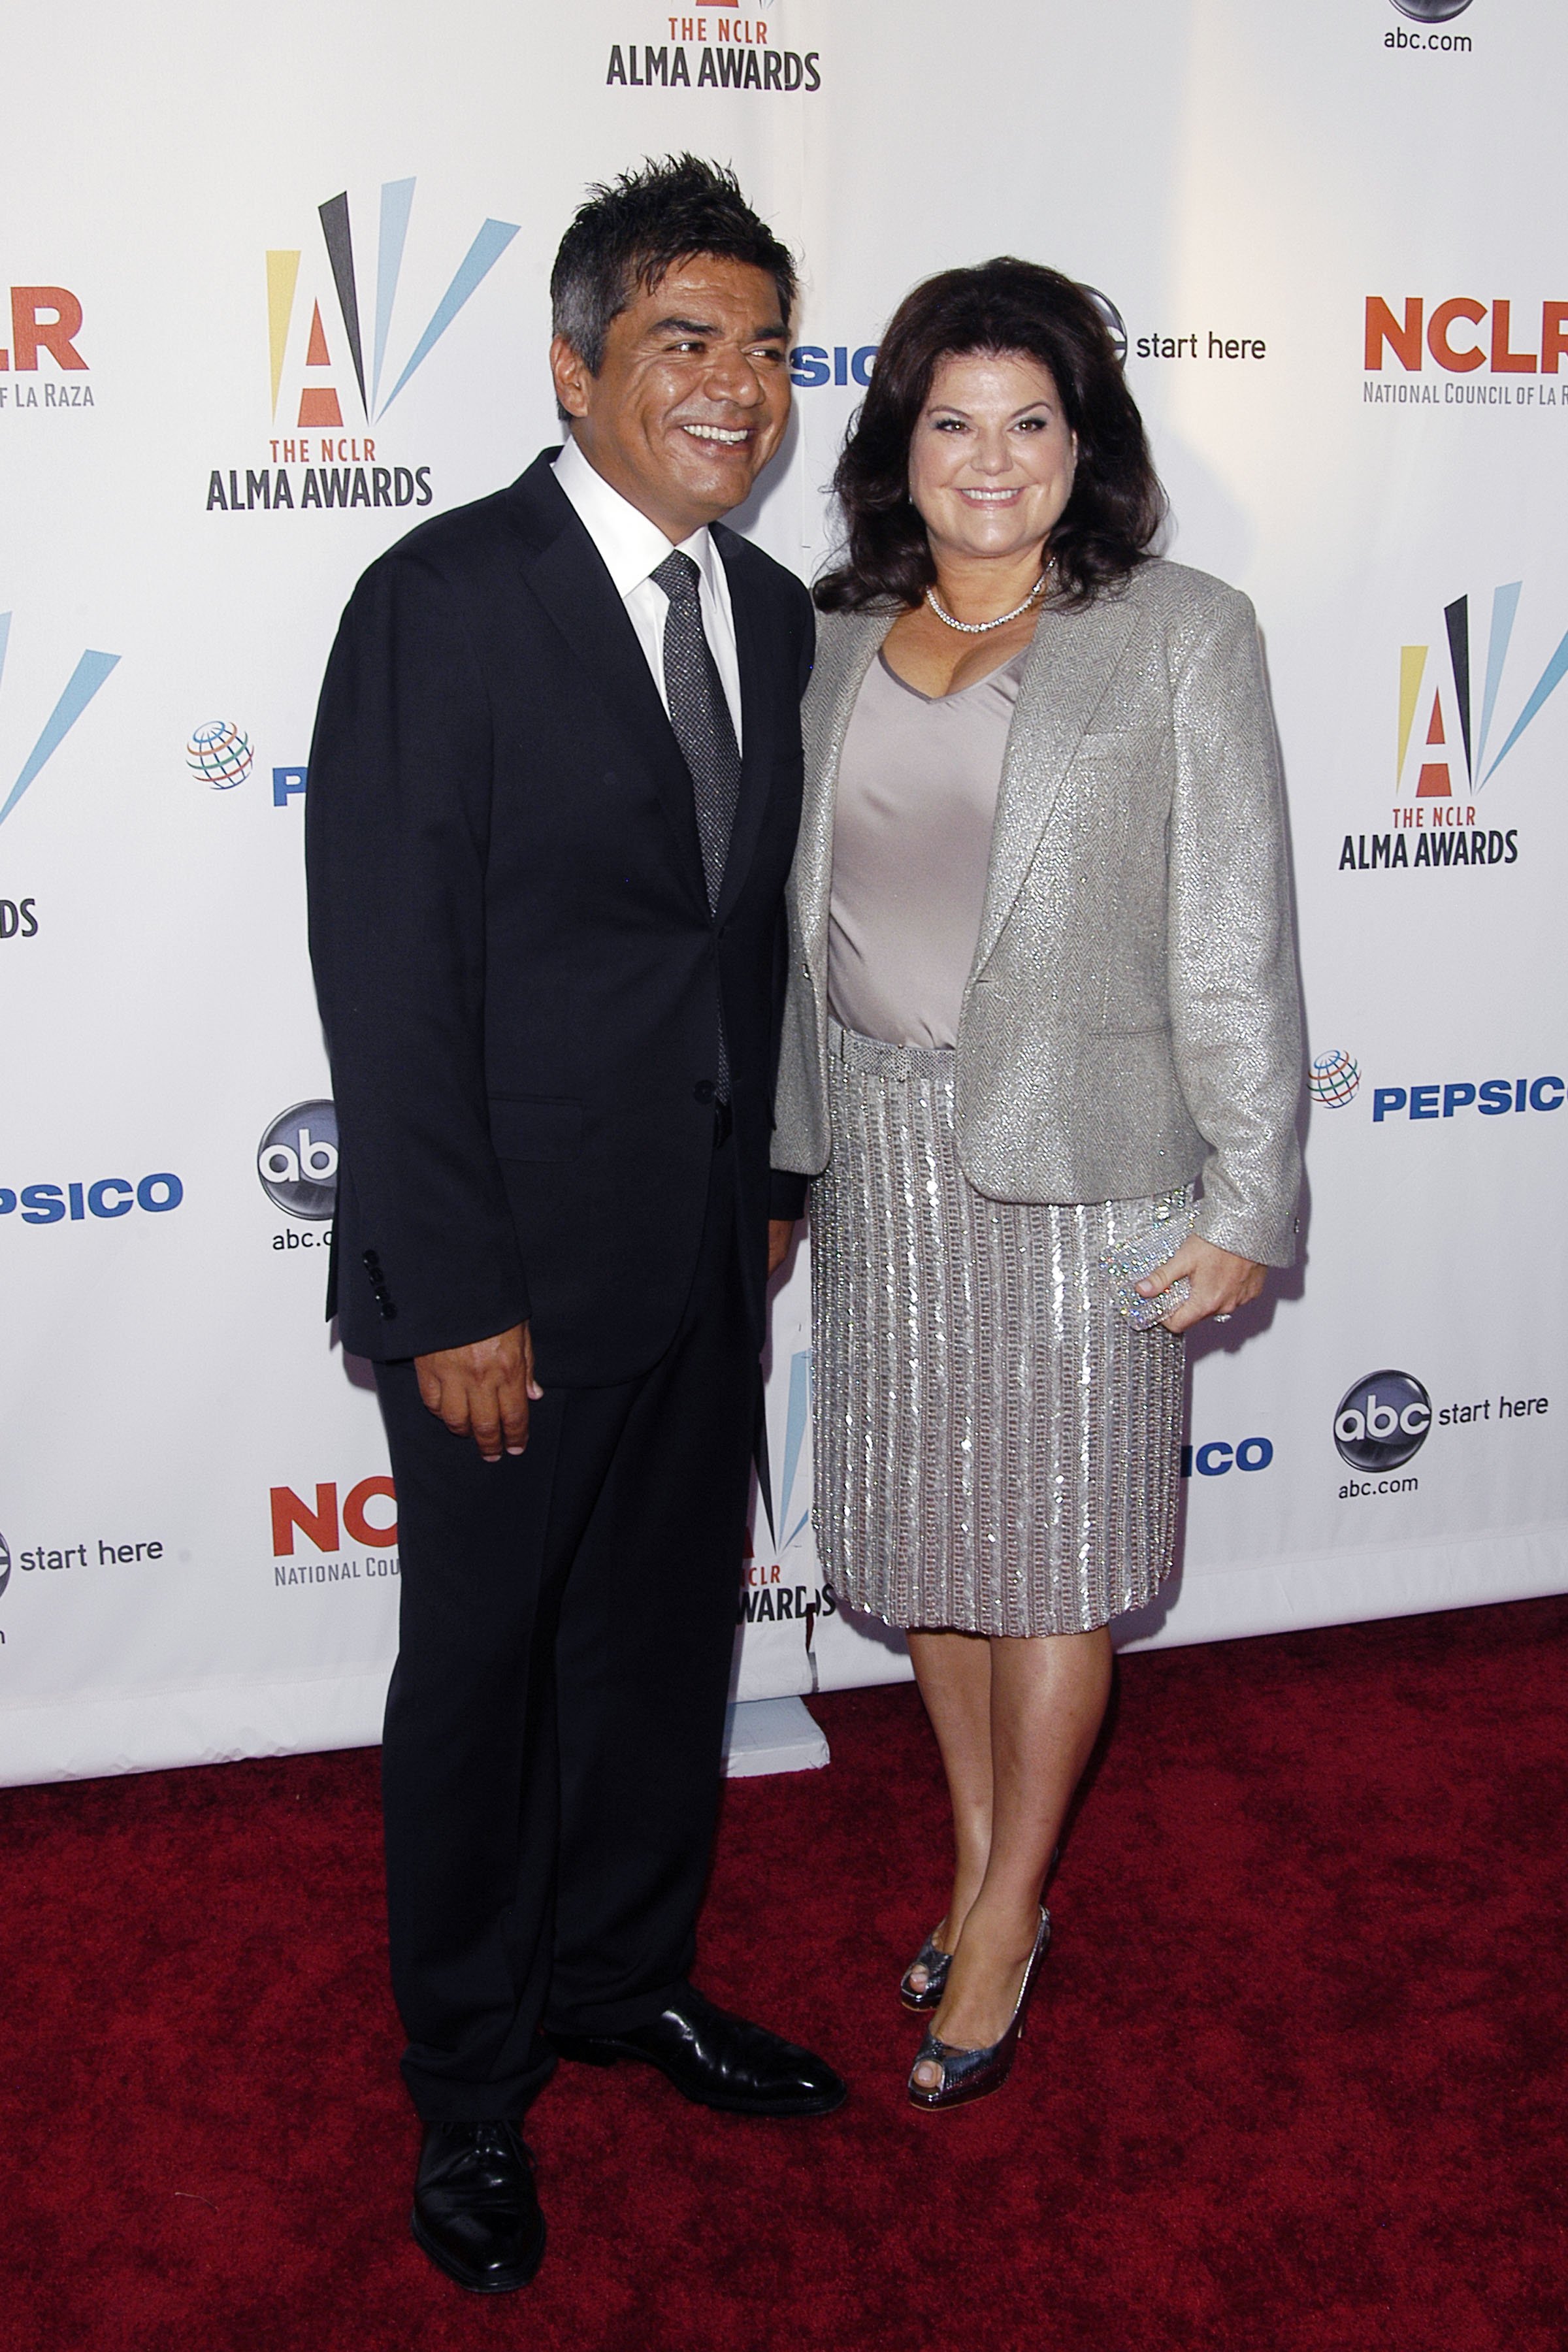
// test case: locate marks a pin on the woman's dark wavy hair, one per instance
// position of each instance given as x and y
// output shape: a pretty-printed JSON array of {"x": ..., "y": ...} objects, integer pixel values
[{"x": 1117, "y": 505}]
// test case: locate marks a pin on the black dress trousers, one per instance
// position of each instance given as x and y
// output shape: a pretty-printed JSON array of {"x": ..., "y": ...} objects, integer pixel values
[{"x": 552, "y": 1753}]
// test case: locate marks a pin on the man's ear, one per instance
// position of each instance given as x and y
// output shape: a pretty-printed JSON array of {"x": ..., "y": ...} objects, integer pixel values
[{"x": 573, "y": 377}]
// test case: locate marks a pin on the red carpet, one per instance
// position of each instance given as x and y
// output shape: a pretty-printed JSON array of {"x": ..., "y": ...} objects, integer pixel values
[{"x": 1297, "y": 2080}]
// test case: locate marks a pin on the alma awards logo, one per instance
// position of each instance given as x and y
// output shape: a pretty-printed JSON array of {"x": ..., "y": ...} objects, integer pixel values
[
  {"x": 83, "y": 683},
  {"x": 1443, "y": 765},
  {"x": 714, "y": 46},
  {"x": 327, "y": 372}
]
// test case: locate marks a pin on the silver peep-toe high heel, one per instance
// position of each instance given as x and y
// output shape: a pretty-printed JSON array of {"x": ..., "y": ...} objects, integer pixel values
[
  {"x": 936, "y": 1964},
  {"x": 972, "y": 2073}
]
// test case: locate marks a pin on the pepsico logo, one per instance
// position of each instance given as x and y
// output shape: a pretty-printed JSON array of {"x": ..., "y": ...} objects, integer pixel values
[
  {"x": 219, "y": 754},
  {"x": 1333, "y": 1078}
]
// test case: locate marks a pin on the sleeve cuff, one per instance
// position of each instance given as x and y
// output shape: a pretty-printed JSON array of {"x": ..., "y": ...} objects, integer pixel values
[{"x": 786, "y": 1195}]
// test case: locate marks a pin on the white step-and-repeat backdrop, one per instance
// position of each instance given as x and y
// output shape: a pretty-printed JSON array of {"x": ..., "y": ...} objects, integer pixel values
[{"x": 276, "y": 289}]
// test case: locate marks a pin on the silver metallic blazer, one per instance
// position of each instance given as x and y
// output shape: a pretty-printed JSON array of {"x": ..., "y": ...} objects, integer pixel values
[{"x": 1131, "y": 1022}]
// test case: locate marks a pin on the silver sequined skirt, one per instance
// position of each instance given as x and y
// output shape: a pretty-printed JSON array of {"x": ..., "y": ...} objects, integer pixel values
[{"x": 997, "y": 1450}]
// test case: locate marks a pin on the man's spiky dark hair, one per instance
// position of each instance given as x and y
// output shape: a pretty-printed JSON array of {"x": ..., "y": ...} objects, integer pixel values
[{"x": 633, "y": 231}]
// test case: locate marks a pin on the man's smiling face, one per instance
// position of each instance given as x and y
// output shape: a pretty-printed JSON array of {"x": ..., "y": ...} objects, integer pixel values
[{"x": 693, "y": 395}]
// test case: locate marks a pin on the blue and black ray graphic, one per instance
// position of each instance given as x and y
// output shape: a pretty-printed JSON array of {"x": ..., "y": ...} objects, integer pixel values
[{"x": 1456, "y": 619}]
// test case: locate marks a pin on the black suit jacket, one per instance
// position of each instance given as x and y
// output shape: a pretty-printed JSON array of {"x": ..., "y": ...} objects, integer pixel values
[{"x": 518, "y": 975}]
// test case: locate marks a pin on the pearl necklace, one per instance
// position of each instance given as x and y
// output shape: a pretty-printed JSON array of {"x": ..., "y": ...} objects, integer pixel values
[{"x": 981, "y": 628}]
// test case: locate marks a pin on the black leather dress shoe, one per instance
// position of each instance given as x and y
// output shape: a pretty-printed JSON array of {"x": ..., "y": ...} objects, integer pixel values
[
  {"x": 719, "y": 2060},
  {"x": 475, "y": 2210}
]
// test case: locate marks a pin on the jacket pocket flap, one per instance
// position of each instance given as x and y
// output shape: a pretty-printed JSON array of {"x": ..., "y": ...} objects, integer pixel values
[{"x": 535, "y": 1127}]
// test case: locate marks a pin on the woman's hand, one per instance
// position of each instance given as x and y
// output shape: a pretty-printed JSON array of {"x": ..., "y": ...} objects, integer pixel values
[{"x": 1221, "y": 1282}]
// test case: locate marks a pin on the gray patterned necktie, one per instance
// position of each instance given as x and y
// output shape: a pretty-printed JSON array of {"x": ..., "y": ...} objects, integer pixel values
[{"x": 699, "y": 715}]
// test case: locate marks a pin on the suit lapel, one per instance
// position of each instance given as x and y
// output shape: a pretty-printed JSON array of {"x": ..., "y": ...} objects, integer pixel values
[
  {"x": 1067, "y": 674},
  {"x": 570, "y": 580}
]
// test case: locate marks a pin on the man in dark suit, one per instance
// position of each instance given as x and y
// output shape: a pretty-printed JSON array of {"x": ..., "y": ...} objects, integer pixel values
[{"x": 554, "y": 790}]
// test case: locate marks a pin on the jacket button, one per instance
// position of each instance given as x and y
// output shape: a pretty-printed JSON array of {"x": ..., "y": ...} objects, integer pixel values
[{"x": 704, "y": 1090}]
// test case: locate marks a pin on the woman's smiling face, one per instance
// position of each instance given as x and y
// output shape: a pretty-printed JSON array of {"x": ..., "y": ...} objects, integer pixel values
[{"x": 992, "y": 457}]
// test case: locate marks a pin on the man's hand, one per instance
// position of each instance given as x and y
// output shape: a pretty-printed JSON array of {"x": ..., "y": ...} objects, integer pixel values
[
  {"x": 1221, "y": 1282},
  {"x": 781, "y": 1233},
  {"x": 483, "y": 1390}
]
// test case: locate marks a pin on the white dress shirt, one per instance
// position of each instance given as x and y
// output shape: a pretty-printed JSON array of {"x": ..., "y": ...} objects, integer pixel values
[{"x": 632, "y": 548}]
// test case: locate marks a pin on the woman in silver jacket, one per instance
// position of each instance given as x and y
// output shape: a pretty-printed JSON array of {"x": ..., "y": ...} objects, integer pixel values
[{"x": 1043, "y": 1000}]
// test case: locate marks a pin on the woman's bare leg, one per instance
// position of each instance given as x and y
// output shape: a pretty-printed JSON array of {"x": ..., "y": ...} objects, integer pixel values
[
  {"x": 1047, "y": 1698},
  {"x": 954, "y": 1671}
]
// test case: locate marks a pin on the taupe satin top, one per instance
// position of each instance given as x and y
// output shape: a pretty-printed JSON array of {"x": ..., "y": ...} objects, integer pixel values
[{"x": 916, "y": 801}]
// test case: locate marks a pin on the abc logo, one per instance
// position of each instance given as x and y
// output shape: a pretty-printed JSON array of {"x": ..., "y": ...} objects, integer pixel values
[
  {"x": 1112, "y": 317},
  {"x": 298, "y": 1161},
  {"x": 4, "y": 1563},
  {"x": 1431, "y": 12},
  {"x": 1383, "y": 1420}
]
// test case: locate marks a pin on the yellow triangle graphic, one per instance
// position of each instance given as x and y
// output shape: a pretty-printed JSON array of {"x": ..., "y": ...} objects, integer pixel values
[
  {"x": 283, "y": 270},
  {"x": 1412, "y": 662}
]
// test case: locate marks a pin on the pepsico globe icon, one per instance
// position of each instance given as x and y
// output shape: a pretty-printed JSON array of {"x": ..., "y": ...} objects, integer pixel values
[
  {"x": 219, "y": 754},
  {"x": 298, "y": 1161},
  {"x": 1383, "y": 1420},
  {"x": 1333, "y": 1078}
]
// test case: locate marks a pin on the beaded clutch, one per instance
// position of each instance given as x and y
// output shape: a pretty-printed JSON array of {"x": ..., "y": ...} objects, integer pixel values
[{"x": 1127, "y": 1263}]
